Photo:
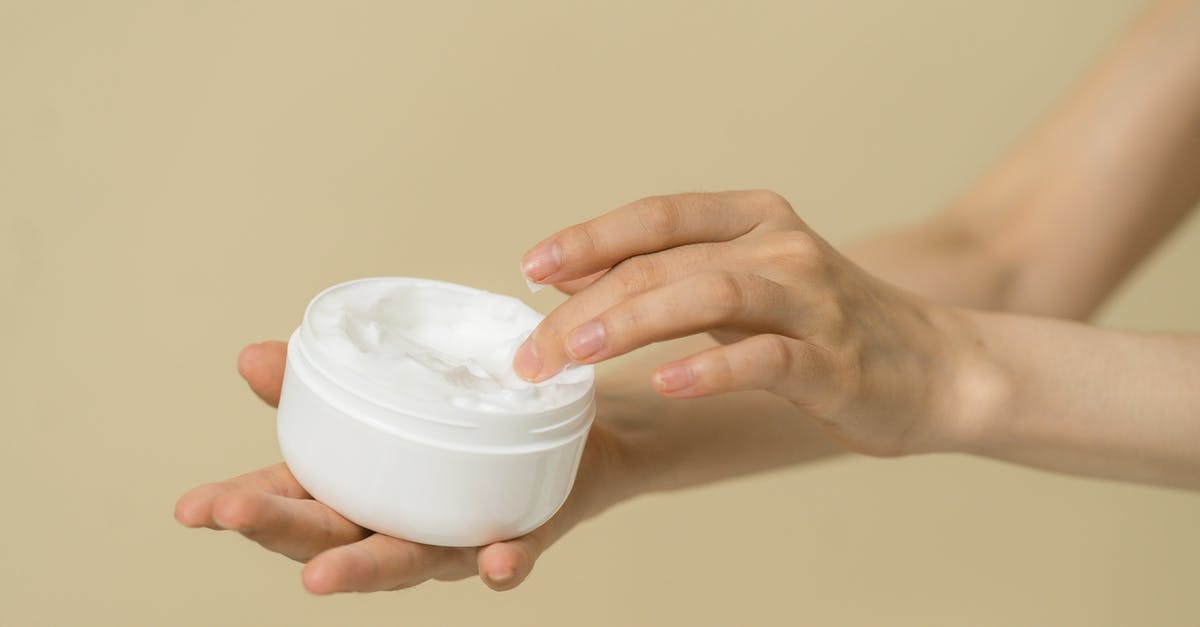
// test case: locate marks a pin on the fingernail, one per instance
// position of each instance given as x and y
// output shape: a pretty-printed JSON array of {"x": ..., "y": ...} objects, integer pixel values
[
  {"x": 501, "y": 575},
  {"x": 533, "y": 287},
  {"x": 674, "y": 378},
  {"x": 526, "y": 361},
  {"x": 542, "y": 261},
  {"x": 585, "y": 340}
]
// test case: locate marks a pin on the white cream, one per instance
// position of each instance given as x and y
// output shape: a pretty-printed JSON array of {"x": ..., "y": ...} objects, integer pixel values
[
  {"x": 400, "y": 410},
  {"x": 438, "y": 342}
]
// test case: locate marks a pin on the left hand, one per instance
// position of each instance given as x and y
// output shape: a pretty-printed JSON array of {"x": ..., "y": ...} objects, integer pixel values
[
  {"x": 271, "y": 508},
  {"x": 873, "y": 364}
]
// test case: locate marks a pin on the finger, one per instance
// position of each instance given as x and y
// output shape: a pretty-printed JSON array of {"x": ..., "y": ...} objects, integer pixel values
[
  {"x": 261, "y": 365},
  {"x": 504, "y": 565},
  {"x": 649, "y": 225},
  {"x": 573, "y": 287},
  {"x": 769, "y": 362},
  {"x": 194, "y": 508},
  {"x": 698, "y": 303},
  {"x": 381, "y": 562},
  {"x": 297, "y": 528},
  {"x": 542, "y": 355}
]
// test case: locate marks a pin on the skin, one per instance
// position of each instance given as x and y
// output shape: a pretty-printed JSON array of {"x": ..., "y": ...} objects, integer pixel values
[
  {"x": 957, "y": 334},
  {"x": 794, "y": 316},
  {"x": 270, "y": 507},
  {"x": 882, "y": 371}
]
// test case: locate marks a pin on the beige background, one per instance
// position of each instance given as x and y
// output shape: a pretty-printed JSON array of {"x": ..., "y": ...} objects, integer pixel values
[{"x": 178, "y": 179}]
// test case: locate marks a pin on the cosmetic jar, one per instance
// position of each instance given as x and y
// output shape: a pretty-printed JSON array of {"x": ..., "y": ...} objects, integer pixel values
[{"x": 400, "y": 410}]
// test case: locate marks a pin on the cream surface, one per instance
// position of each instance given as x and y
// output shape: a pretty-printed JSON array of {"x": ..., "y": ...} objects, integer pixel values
[{"x": 438, "y": 342}]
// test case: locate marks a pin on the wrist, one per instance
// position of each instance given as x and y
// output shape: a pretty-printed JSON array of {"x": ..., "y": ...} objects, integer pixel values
[{"x": 976, "y": 392}]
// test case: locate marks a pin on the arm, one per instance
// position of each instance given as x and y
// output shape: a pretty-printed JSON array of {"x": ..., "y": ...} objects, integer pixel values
[
  {"x": 881, "y": 370},
  {"x": 1052, "y": 230},
  {"x": 1074, "y": 208},
  {"x": 1072, "y": 398},
  {"x": 981, "y": 254}
]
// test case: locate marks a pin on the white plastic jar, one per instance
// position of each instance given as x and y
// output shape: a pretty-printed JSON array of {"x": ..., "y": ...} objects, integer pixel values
[{"x": 400, "y": 410}]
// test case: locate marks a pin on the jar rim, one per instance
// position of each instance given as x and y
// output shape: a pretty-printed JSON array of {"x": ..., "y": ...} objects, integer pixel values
[{"x": 387, "y": 407}]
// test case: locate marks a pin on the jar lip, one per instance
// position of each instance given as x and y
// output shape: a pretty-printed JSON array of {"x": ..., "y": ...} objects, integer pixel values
[
  {"x": 365, "y": 390},
  {"x": 495, "y": 438}
]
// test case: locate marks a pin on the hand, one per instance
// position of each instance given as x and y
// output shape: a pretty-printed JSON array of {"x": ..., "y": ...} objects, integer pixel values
[
  {"x": 873, "y": 364},
  {"x": 270, "y": 507}
]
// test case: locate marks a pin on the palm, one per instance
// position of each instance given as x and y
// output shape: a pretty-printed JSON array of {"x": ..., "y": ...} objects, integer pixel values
[{"x": 271, "y": 508}]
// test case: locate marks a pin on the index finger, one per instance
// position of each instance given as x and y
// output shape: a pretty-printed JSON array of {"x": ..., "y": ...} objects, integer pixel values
[
  {"x": 194, "y": 509},
  {"x": 650, "y": 225}
]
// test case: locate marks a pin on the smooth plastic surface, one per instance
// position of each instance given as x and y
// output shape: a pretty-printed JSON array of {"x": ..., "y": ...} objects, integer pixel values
[{"x": 448, "y": 483}]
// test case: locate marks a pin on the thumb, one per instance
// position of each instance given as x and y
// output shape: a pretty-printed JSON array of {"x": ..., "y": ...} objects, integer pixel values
[{"x": 261, "y": 365}]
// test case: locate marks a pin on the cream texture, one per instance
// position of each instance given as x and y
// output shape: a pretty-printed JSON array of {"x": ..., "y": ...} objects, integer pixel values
[
  {"x": 438, "y": 342},
  {"x": 533, "y": 286}
]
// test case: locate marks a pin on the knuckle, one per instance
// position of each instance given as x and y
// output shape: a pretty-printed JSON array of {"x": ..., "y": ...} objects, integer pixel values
[
  {"x": 725, "y": 291},
  {"x": 580, "y": 238},
  {"x": 773, "y": 203},
  {"x": 777, "y": 355},
  {"x": 800, "y": 243},
  {"x": 835, "y": 316},
  {"x": 660, "y": 215},
  {"x": 796, "y": 248},
  {"x": 778, "y": 359},
  {"x": 636, "y": 274},
  {"x": 622, "y": 321},
  {"x": 718, "y": 371}
]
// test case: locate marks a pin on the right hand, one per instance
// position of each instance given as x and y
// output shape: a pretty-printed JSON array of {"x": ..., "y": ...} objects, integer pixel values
[
  {"x": 877, "y": 367},
  {"x": 271, "y": 508}
]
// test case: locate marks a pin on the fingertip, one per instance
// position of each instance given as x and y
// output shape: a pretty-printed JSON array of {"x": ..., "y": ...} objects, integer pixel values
[
  {"x": 674, "y": 379},
  {"x": 690, "y": 392},
  {"x": 526, "y": 361},
  {"x": 247, "y": 359},
  {"x": 694, "y": 391},
  {"x": 534, "y": 288},
  {"x": 541, "y": 261},
  {"x": 318, "y": 578},
  {"x": 236, "y": 511},
  {"x": 500, "y": 578},
  {"x": 504, "y": 565},
  {"x": 190, "y": 512},
  {"x": 500, "y": 585},
  {"x": 254, "y": 358},
  {"x": 261, "y": 365}
]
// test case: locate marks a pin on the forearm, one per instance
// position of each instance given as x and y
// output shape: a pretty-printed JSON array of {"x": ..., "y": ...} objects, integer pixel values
[
  {"x": 1078, "y": 399},
  {"x": 1042, "y": 392},
  {"x": 1110, "y": 174},
  {"x": 1051, "y": 231},
  {"x": 939, "y": 260},
  {"x": 1056, "y": 226}
]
